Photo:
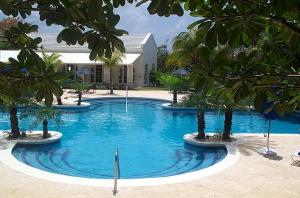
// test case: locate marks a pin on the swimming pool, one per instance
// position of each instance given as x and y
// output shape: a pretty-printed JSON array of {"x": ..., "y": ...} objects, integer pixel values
[{"x": 149, "y": 140}]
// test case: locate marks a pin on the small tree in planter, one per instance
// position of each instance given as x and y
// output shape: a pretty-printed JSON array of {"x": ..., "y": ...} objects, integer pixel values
[
  {"x": 42, "y": 115},
  {"x": 79, "y": 88},
  {"x": 173, "y": 83}
]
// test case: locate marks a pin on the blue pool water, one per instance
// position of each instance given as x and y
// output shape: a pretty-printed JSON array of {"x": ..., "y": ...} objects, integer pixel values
[{"x": 149, "y": 140}]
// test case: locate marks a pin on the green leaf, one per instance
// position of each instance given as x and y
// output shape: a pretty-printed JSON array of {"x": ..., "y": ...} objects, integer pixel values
[
  {"x": 152, "y": 8},
  {"x": 191, "y": 26},
  {"x": 93, "y": 54},
  {"x": 140, "y": 3},
  {"x": 234, "y": 37},
  {"x": 211, "y": 37},
  {"x": 259, "y": 100},
  {"x": 222, "y": 34},
  {"x": 177, "y": 9}
]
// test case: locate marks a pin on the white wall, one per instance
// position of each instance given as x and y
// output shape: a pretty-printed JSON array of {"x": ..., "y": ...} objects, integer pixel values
[
  {"x": 149, "y": 55},
  {"x": 139, "y": 72}
]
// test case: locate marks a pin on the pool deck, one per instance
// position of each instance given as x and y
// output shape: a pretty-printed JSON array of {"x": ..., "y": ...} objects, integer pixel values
[{"x": 252, "y": 176}]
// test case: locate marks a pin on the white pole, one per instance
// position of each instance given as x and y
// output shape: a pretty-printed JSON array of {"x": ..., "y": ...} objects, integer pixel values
[
  {"x": 126, "y": 98},
  {"x": 268, "y": 140}
]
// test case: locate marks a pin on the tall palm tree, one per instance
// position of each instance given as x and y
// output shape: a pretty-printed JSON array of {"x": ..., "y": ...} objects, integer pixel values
[
  {"x": 110, "y": 63},
  {"x": 54, "y": 61},
  {"x": 188, "y": 50},
  {"x": 185, "y": 49}
]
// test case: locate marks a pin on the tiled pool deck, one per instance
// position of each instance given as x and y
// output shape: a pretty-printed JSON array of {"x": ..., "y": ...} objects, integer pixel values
[{"x": 252, "y": 176}]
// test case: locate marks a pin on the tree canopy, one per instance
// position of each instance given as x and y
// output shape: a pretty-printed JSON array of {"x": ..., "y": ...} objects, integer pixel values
[{"x": 257, "y": 43}]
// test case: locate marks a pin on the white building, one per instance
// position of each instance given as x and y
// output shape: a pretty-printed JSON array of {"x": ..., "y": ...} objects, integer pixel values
[{"x": 139, "y": 59}]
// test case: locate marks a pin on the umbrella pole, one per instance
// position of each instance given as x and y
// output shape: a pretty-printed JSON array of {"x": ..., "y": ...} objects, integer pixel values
[{"x": 268, "y": 140}]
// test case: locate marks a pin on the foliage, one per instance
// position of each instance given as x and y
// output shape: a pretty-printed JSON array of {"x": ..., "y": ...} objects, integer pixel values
[
  {"x": 53, "y": 60},
  {"x": 83, "y": 21},
  {"x": 40, "y": 114},
  {"x": 162, "y": 56},
  {"x": 248, "y": 48},
  {"x": 28, "y": 71},
  {"x": 171, "y": 81},
  {"x": 79, "y": 88},
  {"x": 5, "y": 24},
  {"x": 27, "y": 76},
  {"x": 236, "y": 22},
  {"x": 186, "y": 49},
  {"x": 251, "y": 68},
  {"x": 155, "y": 77},
  {"x": 111, "y": 62}
]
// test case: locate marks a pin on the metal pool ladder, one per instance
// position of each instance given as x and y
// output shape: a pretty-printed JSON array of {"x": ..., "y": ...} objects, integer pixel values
[{"x": 116, "y": 172}]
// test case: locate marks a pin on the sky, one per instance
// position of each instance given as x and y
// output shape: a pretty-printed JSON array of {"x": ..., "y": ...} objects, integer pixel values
[{"x": 135, "y": 21}]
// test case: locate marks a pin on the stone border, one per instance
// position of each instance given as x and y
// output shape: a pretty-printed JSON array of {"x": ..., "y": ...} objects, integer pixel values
[
  {"x": 7, "y": 158},
  {"x": 167, "y": 106},
  {"x": 55, "y": 137},
  {"x": 73, "y": 105},
  {"x": 123, "y": 97}
]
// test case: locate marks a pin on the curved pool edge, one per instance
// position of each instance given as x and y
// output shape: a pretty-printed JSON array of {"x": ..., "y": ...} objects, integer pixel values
[
  {"x": 124, "y": 97},
  {"x": 72, "y": 105},
  {"x": 8, "y": 159},
  {"x": 55, "y": 137}
]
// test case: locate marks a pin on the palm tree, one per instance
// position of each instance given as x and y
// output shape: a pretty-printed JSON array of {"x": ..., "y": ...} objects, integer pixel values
[
  {"x": 110, "y": 63},
  {"x": 172, "y": 82},
  {"x": 228, "y": 97},
  {"x": 188, "y": 50},
  {"x": 12, "y": 94},
  {"x": 42, "y": 115},
  {"x": 79, "y": 88},
  {"x": 185, "y": 49},
  {"x": 54, "y": 60}
]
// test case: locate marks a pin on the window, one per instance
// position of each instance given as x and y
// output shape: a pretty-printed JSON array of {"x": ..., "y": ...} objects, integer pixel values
[
  {"x": 133, "y": 75},
  {"x": 123, "y": 74},
  {"x": 120, "y": 75},
  {"x": 92, "y": 75},
  {"x": 99, "y": 73},
  {"x": 146, "y": 74}
]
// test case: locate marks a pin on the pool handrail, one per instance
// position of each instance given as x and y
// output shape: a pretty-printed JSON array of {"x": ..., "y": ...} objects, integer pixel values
[{"x": 116, "y": 172}]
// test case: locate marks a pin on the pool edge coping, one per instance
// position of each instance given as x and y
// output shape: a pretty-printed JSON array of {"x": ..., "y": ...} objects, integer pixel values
[{"x": 9, "y": 160}]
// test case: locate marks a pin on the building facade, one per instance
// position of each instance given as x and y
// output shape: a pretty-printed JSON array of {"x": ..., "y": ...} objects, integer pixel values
[{"x": 140, "y": 58}]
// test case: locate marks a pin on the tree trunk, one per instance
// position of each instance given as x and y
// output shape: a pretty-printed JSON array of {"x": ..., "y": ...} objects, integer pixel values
[
  {"x": 59, "y": 102},
  {"x": 110, "y": 82},
  {"x": 45, "y": 128},
  {"x": 201, "y": 125},
  {"x": 174, "y": 96},
  {"x": 79, "y": 98},
  {"x": 14, "y": 122},
  {"x": 227, "y": 124}
]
